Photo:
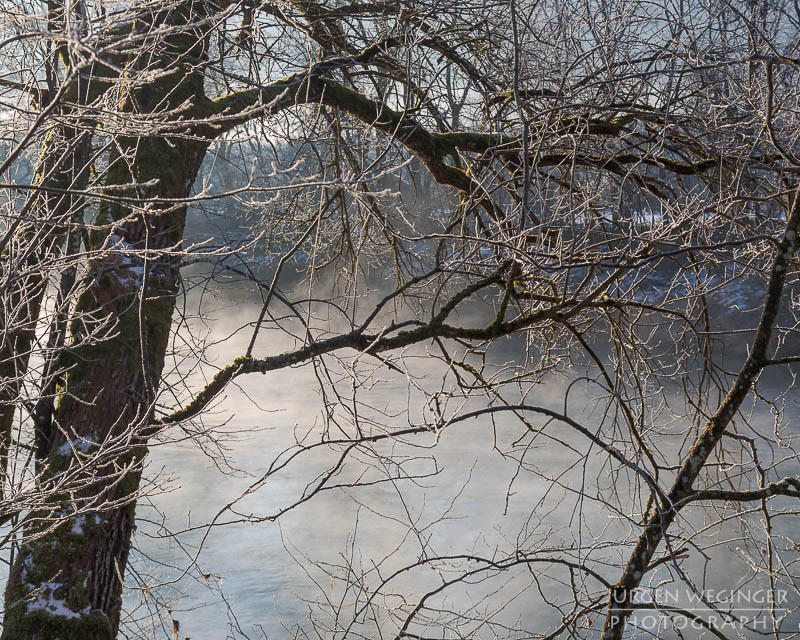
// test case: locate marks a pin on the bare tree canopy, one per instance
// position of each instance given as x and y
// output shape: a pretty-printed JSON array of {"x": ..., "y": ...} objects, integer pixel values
[{"x": 561, "y": 233}]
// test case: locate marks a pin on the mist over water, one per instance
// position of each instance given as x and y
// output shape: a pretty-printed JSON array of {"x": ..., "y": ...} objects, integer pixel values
[{"x": 477, "y": 493}]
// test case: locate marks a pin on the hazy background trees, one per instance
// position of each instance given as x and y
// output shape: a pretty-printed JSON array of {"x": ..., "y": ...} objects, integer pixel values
[{"x": 560, "y": 232}]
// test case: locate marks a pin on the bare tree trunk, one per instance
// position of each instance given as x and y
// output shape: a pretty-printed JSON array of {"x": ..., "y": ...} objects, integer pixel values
[
  {"x": 66, "y": 581},
  {"x": 110, "y": 389},
  {"x": 62, "y": 169}
]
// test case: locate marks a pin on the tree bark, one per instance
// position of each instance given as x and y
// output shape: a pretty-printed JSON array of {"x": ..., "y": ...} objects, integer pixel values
[
  {"x": 61, "y": 170},
  {"x": 66, "y": 581}
]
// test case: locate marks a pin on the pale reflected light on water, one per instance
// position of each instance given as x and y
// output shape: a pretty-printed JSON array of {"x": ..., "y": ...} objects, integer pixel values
[{"x": 480, "y": 495}]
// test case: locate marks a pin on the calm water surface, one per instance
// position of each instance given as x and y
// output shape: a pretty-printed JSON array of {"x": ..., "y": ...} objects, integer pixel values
[{"x": 264, "y": 574}]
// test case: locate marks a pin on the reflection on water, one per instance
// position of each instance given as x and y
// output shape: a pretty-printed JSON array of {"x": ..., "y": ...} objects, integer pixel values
[{"x": 486, "y": 489}]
